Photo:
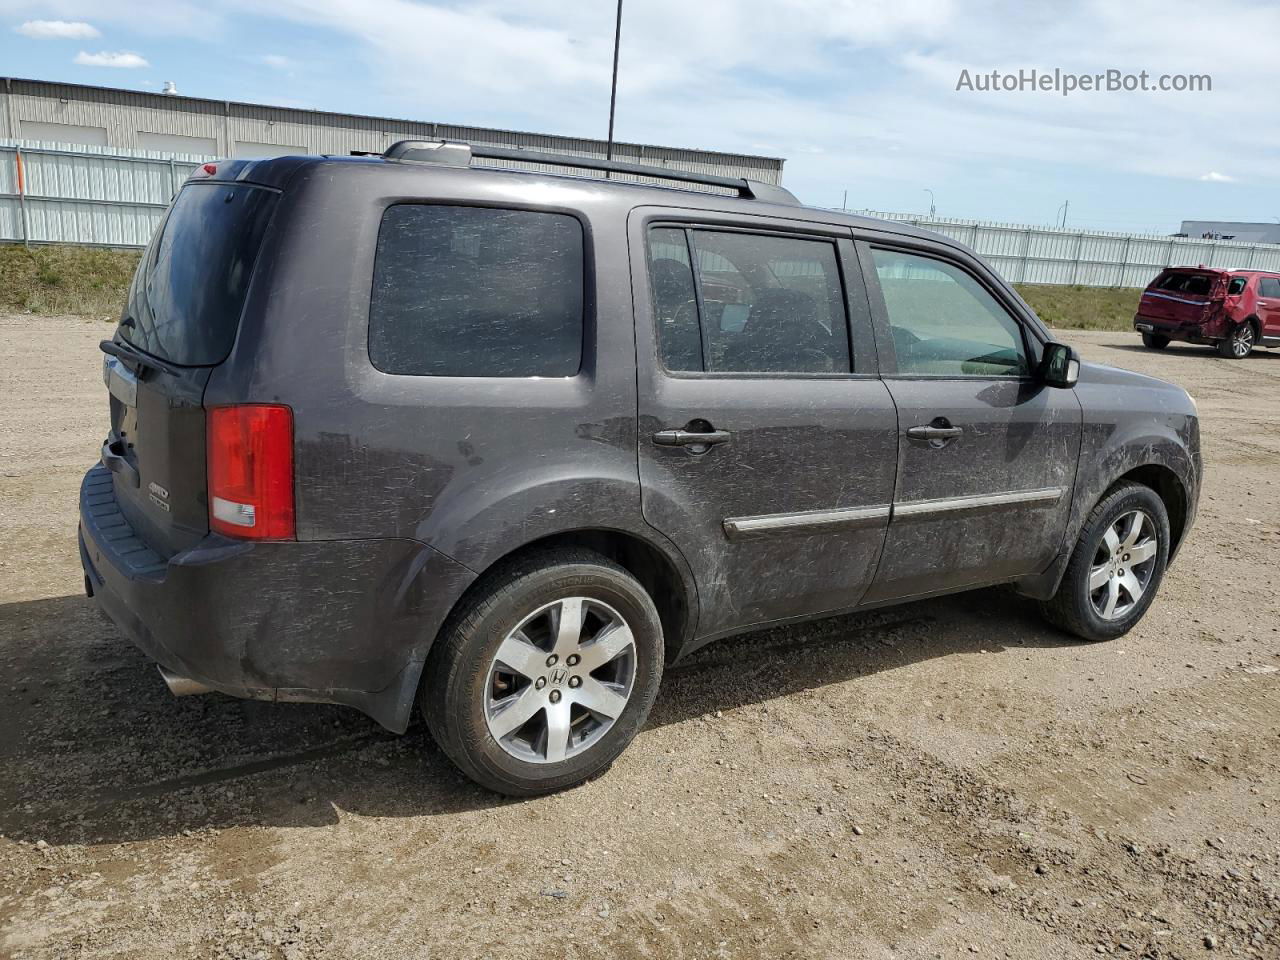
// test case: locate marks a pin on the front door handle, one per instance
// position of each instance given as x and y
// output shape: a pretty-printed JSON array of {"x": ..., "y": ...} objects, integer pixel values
[
  {"x": 937, "y": 434},
  {"x": 691, "y": 438}
]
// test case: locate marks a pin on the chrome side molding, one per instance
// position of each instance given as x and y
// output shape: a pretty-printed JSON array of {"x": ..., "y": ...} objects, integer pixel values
[
  {"x": 811, "y": 521},
  {"x": 854, "y": 518},
  {"x": 922, "y": 509}
]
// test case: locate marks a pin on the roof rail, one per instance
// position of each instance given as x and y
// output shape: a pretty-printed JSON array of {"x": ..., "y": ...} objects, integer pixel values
[{"x": 458, "y": 154}]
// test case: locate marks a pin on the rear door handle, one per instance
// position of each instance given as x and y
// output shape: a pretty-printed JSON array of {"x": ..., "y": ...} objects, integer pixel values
[
  {"x": 934, "y": 433},
  {"x": 691, "y": 438}
]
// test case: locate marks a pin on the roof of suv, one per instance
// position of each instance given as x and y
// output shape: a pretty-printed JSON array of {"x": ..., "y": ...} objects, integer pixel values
[{"x": 765, "y": 199}]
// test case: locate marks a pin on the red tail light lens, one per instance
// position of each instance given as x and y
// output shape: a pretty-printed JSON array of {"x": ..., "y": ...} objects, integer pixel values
[{"x": 250, "y": 464}]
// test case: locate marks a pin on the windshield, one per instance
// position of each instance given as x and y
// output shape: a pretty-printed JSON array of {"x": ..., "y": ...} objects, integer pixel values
[{"x": 188, "y": 292}]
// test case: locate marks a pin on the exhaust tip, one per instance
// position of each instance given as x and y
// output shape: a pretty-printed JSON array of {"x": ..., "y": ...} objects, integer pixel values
[{"x": 182, "y": 686}]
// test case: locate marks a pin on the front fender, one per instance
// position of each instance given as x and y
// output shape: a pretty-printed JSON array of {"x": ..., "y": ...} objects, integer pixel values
[{"x": 1116, "y": 442}]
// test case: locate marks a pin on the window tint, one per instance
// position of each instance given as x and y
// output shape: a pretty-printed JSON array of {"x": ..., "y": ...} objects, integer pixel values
[
  {"x": 768, "y": 304},
  {"x": 1237, "y": 286},
  {"x": 189, "y": 289},
  {"x": 674, "y": 302},
  {"x": 477, "y": 292},
  {"x": 1196, "y": 284},
  {"x": 944, "y": 323},
  {"x": 1269, "y": 287}
]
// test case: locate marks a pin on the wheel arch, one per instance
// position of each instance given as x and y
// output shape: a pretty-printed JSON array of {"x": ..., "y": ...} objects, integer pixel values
[
  {"x": 667, "y": 581},
  {"x": 1160, "y": 476},
  {"x": 1169, "y": 488}
]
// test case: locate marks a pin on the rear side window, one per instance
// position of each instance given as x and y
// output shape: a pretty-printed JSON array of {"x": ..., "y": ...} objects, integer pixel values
[
  {"x": 1269, "y": 287},
  {"x": 1237, "y": 286},
  {"x": 189, "y": 289},
  {"x": 732, "y": 302},
  {"x": 943, "y": 322},
  {"x": 477, "y": 292}
]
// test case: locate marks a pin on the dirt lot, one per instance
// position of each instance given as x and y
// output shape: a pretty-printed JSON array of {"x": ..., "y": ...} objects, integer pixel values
[{"x": 946, "y": 779}]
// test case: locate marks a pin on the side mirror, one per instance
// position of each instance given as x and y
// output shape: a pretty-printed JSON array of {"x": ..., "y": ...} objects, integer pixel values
[{"x": 1059, "y": 365}]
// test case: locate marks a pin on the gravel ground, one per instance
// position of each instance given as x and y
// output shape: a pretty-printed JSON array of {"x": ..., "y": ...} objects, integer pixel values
[{"x": 949, "y": 778}]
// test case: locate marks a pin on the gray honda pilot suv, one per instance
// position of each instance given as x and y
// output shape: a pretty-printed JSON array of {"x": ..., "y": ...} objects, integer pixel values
[{"x": 411, "y": 428}]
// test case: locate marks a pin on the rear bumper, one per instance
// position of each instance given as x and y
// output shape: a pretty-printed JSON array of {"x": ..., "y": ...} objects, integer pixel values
[
  {"x": 342, "y": 621},
  {"x": 1192, "y": 332}
]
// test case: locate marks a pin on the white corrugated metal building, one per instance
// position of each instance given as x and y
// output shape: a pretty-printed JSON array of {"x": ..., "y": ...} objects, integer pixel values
[{"x": 66, "y": 113}]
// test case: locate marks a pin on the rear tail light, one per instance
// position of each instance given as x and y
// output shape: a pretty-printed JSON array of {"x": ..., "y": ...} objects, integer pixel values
[{"x": 250, "y": 463}]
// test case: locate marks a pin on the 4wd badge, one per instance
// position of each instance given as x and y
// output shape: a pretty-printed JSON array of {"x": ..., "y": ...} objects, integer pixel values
[{"x": 159, "y": 496}]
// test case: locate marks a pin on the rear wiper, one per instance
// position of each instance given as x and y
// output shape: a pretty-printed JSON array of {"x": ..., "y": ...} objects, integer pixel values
[{"x": 129, "y": 352}]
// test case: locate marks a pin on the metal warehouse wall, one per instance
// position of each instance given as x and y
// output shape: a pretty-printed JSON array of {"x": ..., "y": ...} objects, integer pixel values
[
  {"x": 104, "y": 116},
  {"x": 1056, "y": 255}
]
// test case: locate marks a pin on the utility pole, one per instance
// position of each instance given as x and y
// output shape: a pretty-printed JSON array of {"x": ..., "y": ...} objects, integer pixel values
[
  {"x": 613, "y": 91},
  {"x": 933, "y": 207},
  {"x": 844, "y": 204},
  {"x": 1063, "y": 209}
]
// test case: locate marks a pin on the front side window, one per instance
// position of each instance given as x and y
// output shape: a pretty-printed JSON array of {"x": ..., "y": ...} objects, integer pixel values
[
  {"x": 731, "y": 302},
  {"x": 477, "y": 292},
  {"x": 944, "y": 323}
]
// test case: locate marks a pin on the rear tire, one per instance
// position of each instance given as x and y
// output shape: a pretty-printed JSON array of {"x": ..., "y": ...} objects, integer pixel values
[
  {"x": 545, "y": 674},
  {"x": 1116, "y": 567},
  {"x": 1153, "y": 341},
  {"x": 1239, "y": 343}
]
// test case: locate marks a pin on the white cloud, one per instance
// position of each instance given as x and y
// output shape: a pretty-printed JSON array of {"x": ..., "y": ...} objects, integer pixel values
[
  {"x": 276, "y": 62},
  {"x": 1214, "y": 177},
  {"x": 57, "y": 29},
  {"x": 170, "y": 18},
  {"x": 120, "y": 60}
]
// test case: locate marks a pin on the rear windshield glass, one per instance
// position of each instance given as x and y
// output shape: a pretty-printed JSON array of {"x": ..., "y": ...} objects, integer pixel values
[
  {"x": 1197, "y": 284},
  {"x": 187, "y": 294}
]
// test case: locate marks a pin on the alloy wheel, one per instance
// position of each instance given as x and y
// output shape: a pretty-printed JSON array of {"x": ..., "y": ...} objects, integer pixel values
[
  {"x": 1242, "y": 340},
  {"x": 1123, "y": 565},
  {"x": 560, "y": 680}
]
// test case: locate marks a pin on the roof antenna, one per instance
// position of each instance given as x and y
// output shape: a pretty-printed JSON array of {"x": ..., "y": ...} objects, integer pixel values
[{"x": 613, "y": 90}]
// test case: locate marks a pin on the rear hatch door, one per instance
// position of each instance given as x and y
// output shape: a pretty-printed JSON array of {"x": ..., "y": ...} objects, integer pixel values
[
  {"x": 1182, "y": 296},
  {"x": 179, "y": 323}
]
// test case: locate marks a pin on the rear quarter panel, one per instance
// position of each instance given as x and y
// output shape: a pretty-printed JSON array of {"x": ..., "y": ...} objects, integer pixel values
[{"x": 473, "y": 467}]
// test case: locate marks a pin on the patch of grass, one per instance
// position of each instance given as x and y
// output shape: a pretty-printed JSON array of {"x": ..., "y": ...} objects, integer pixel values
[
  {"x": 56, "y": 279},
  {"x": 1073, "y": 307}
]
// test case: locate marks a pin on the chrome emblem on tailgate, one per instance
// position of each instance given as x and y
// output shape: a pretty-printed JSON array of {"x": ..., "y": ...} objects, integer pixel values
[{"x": 159, "y": 495}]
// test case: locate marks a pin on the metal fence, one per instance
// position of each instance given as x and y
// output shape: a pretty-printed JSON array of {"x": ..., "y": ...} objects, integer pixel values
[
  {"x": 65, "y": 193},
  {"x": 109, "y": 196},
  {"x": 1091, "y": 258}
]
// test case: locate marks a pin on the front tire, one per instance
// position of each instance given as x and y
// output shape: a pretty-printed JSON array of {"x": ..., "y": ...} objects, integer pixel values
[
  {"x": 1153, "y": 341},
  {"x": 1117, "y": 565},
  {"x": 1239, "y": 343},
  {"x": 545, "y": 674}
]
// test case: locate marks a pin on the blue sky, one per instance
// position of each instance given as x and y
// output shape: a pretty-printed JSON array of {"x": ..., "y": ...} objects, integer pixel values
[{"x": 858, "y": 96}]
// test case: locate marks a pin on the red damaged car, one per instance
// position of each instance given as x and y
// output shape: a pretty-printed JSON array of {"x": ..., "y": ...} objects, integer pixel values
[{"x": 1234, "y": 310}]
